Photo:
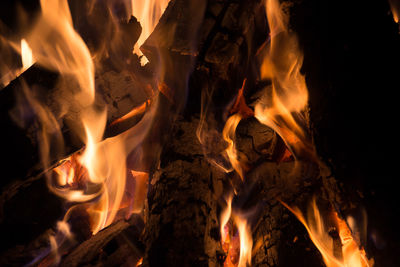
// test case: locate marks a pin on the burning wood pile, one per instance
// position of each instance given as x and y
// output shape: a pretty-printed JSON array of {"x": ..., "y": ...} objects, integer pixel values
[{"x": 164, "y": 133}]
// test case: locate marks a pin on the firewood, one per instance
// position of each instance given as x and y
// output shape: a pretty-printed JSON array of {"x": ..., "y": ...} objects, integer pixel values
[{"x": 181, "y": 219}]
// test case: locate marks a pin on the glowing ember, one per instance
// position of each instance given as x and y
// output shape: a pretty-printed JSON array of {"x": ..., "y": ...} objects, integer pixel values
[{"x": 134, "y": 112}]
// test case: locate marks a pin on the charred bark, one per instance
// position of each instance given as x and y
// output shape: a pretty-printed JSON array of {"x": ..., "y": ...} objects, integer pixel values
[
  {"x": 181, "y": 215},
  {"x": 182, "y": 220}
]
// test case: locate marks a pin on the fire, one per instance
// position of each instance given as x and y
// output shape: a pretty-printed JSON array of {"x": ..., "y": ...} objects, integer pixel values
[
  {"x": 8, "y": 74},
  {"x": 350, "y": 254},
  {"x": 229, "y": 242},
  {"x": 147, "y": 12},
  {"x": 224, "y": 219},
  {"x": 139, "y": 262},
  {"x": 229, "y": 136},
  {"x": 26, "y": 55},
  {"x": 57, "y": 46},
  {"x": 134, "y": 112},
  {"x": 283, "y": 108},
  {"x": 246, "y": 242},
  {"x": 96, "y": 177},
  {"x": 395, "y": 8}
]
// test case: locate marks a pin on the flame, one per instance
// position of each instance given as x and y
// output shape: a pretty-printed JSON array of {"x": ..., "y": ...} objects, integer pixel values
[
  {"x": 283, "y": 108},
  {"x": 57, "y": 46},
  {"x": 395, "y": 8},
  {"x": 224, "y": 219},
  {"x": 56, "y": 241},
  {"x": 95, "y": 178},
  {"x": 229, "y": 136},
  {"x": 229, "y": 242},
  {"x": 147, "y": 12},
  {"x": 246, "y": 242},
  {"x": 8, "y": 73},
  {"x": 134, "y": 112},
  {"x": 351, "y": 255},
  {"x": 140, "y": 262},
  {"x": 26, "y": 55}
]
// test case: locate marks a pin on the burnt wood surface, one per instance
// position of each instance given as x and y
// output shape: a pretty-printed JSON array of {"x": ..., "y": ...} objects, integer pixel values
[{"x": 182, "y": 219}]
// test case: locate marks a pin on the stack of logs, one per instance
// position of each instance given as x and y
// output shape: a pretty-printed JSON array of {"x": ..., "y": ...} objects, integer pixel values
[{"x": 212, "y": 51}]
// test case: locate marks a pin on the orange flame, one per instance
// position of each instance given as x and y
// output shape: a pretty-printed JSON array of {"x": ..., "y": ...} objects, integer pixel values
[
  {"x": 224, "y": 218},
  {"x": 96, "y": 177},
  {"x": 56, "y": 45},
  {"x": 246, "y": 242},
  {"x": 134, "y": 112},
  {"x": 395, "y": 8},
  {"x": 351, "y": 254},
  {"x": 282, "y": 109},
  {"x": 147, "y": 12},
  {"x": 229, "y": 136},
  {"x": 228, "y": 242}
]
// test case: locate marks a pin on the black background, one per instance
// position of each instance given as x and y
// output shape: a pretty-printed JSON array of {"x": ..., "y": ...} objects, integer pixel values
[{"x": 351, "y": 63}]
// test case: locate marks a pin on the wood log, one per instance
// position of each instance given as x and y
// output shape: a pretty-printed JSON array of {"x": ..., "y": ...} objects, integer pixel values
[
  {"x": 23, "y": 179},
  {"x": 117, "y": 90},
  {"x": 181, "y": 216},
  {"x": 182, "y": 225}
]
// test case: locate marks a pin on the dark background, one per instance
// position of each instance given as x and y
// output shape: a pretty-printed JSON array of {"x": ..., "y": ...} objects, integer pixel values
[{"x": 351, "y": 62}]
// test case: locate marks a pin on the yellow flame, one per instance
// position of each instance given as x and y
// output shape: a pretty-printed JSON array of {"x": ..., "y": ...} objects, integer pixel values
[
  {"x": 316, "y": 226},
  {"x": 57, "y": 46},
  {"x": 289, "y": 95},
  {"x": 26, "y": 55},
  {"x": 228, "y": 134},
  {"x": 147, "y": 12},
  {"x": 246, "y": 241},
  {"x": 245, "y": 235},
  {"x": 94, "y": 125}
]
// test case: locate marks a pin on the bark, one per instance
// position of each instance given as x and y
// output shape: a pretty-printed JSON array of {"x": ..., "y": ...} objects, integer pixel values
[
  {"x": 182, "y": 220},
  {"x": 181, "y": 215}
]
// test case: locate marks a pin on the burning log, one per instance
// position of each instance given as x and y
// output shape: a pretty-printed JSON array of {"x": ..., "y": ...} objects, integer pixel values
[
  {"x": 181, "y": 221},
  {"x": 118, "y": 90},
  {"x": 211, "y": 46}
]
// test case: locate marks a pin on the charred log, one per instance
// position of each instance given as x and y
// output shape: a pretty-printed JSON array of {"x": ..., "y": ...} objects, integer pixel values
[
  {"x": 181, "y": 221},
  {"x": 182, "y": 225}
]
